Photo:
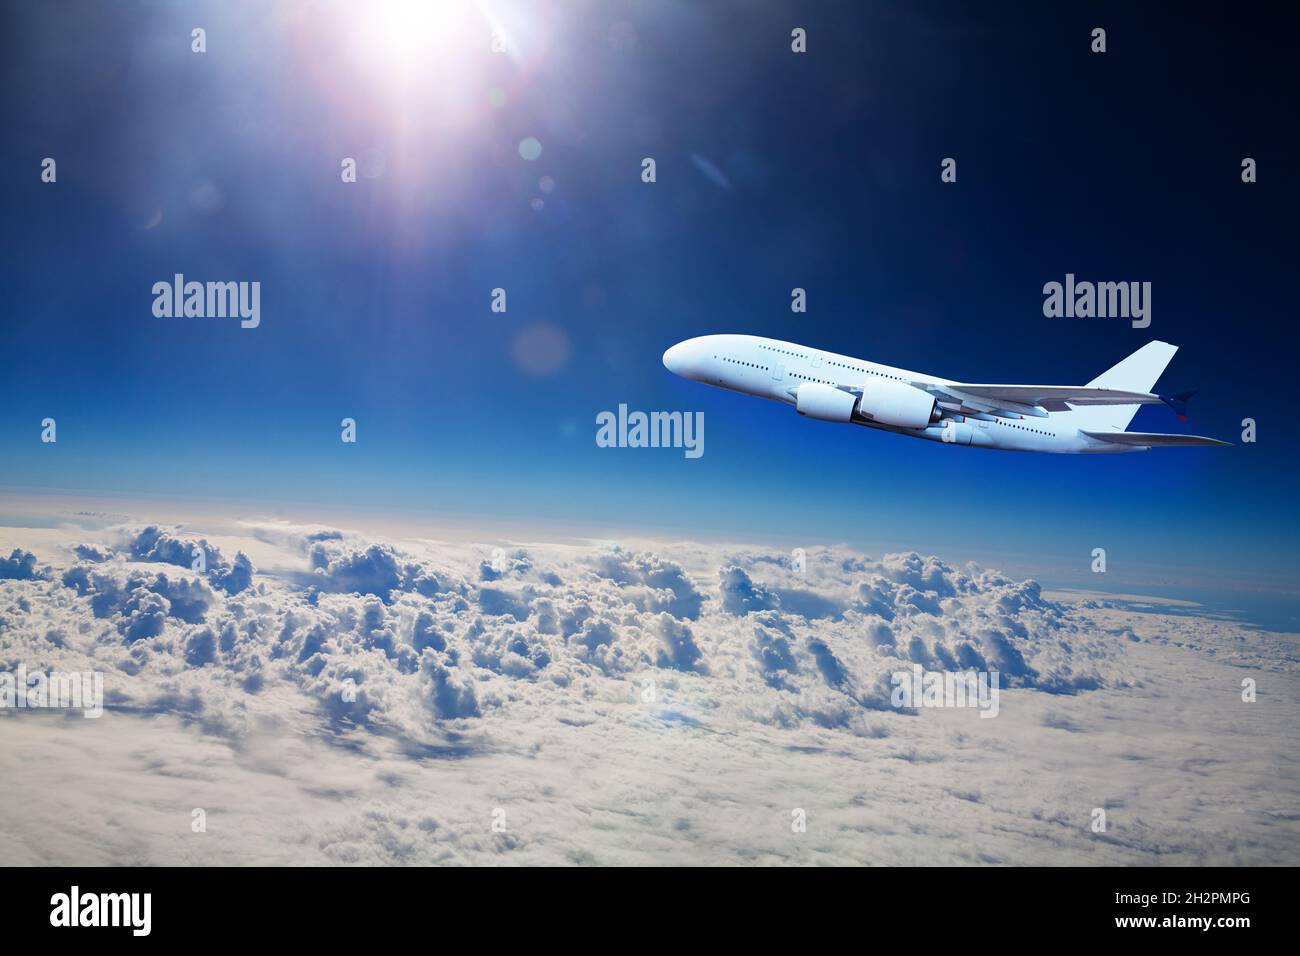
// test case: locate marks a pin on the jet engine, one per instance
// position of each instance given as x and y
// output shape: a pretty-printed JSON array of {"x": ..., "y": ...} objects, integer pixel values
[
  {"x": 824, "y": 402},
  {"x": 897, "y": 403}
]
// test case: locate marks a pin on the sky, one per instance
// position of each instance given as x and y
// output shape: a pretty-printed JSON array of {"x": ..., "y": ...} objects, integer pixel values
[{"x": 775, "y": 170}]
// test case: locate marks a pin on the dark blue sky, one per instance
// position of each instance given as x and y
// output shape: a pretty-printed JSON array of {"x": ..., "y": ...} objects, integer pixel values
[{"x": 775, "y": 170}]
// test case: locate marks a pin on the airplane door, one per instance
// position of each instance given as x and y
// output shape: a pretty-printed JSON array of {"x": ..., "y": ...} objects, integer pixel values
[{"x": 778, "y": 372}]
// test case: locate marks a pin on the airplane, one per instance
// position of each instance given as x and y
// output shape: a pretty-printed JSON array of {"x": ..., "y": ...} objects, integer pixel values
[{"x": 1063, "y": 419}]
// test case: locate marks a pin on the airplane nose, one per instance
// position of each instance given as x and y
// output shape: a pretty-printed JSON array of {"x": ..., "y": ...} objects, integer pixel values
[{"x": 675, "y": 359}]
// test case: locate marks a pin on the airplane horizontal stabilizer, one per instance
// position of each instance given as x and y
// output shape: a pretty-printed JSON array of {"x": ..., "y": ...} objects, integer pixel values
[{"x": 1152, "y": 439}]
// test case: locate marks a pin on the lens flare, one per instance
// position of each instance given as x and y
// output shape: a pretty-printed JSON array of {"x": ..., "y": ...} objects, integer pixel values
[{"x": 403, "y": 34}]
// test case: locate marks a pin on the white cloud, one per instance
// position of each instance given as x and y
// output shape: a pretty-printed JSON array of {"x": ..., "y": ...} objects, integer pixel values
[
  {"x": 648, "y": 703},
  {"x": 20, "y": 566}
]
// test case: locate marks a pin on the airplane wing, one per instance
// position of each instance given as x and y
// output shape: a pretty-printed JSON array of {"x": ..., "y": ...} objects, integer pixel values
[
  {"x": 1044, "y": 394},
  {"x": 1030, "y": 399},
  {"x": 1152, "y": 439}
]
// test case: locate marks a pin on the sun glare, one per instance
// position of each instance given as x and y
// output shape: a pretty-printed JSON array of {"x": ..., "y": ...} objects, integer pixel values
[{"x": 405, "y": 35}]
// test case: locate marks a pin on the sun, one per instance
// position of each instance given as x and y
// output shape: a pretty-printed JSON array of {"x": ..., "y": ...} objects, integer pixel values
[{"x": 406, "y": 35}]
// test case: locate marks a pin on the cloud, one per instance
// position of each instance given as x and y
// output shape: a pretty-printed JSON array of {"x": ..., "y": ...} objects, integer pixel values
[
  {"x": 652, "y": 583},
  {"x": 201, "y": 647},
  {"x": 496, "y": 601},
  {"x": 141, "y": 600},
  {"x": 828, "y": 664},
  {"x": 566, "y": 658},
  {"x": 502, "y": 565},
  {"x": 774, "y": 655},
  {"x": 155, "y": 544},
  {"x": 234, "y": 577},
  {"x": 375, "y": 610},
  {"x": 21, "y": 566},
  {"x": 740, "y": 595},
  {"x": 374, "y": 570},
  {"x": 377, "y": 569},
  {"x": 449, "y": 696},
  {"x": 142, "y": 615},
  {"x": 677, "y": 647}
]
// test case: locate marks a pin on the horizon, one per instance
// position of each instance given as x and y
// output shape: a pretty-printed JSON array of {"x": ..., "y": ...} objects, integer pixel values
[{"x": 1270, "y": 608}]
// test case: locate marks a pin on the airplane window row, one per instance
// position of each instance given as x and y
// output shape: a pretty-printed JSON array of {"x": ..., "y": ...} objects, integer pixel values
[
  {"x": 783, "y": 351},
  {"x": 726, "y": 358},
  {"x": 856, "y": 368},
  {"x": 1025, "y": 428},
  {"x": 851, "y": 368},
  {"x": 809, "y": 378}
]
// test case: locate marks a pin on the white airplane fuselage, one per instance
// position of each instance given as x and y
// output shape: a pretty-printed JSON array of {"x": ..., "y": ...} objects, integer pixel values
[{"x": 773, "y": 369}]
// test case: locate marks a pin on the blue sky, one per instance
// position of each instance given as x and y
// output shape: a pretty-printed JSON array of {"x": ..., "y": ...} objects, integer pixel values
[{"x": 375, "y": 295}]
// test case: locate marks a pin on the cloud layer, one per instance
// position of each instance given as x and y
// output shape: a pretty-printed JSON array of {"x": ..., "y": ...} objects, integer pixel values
[{"x": 411, "y": 654}]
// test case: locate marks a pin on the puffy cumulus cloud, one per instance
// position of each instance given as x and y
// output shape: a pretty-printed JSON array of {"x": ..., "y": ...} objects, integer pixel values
[
  {"x": 378, "y": 569},
  {"x": 155, "y": 544},
  {"x": 234, "y": 577},
  {"x": 201, "y": 647},
  {"x": 502, "y": 603},
  {"x": 677, "y": 647},
  {"x": 772, "y": 651},
  {"x": 927, "y": 574},
  {"x": 142, "y": 614},
  {"x": 428, "y": 632},
  {"x": 513, "y": 651},
  {"x": 374, "y": 570},
  {"x": 366, "y": 616},
  {"x": 907, "y": 608},
  {"x": 139, "y": 601},
  {"x": 564, "y": 658},
  {"x": 502, "y": 565},
  {"x": 651, "y": 583},
  {"x": 450, "y": 696},
  {"x": 21, "y": 566},
  {"x": 740, "y": 595}
]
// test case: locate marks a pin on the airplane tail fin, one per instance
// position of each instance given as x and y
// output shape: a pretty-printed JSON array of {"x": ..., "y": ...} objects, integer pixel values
[
  {"x": 1137, "y": 373},
  {"x": 1179, "y": 403}
]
